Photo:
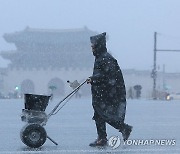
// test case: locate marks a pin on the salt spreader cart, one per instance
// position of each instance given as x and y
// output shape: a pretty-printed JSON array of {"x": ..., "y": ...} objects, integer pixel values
[{"x": 33, "y": 134}]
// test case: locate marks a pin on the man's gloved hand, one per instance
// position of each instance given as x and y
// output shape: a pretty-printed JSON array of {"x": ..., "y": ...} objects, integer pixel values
[{"x": 88, "y": 81}]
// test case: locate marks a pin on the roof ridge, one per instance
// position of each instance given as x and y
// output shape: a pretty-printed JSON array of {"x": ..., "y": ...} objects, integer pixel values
[{"x": 55, "y": 30}]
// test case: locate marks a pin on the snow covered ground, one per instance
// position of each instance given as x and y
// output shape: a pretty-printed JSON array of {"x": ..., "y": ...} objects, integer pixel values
[{"x": 73, "y": 128}]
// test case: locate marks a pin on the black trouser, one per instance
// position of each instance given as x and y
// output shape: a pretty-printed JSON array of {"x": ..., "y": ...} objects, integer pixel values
[{"x": 101, "y": 126}]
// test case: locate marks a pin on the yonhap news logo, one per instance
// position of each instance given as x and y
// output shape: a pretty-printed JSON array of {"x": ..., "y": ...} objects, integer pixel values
[
  {"x": 156, "y": 142},
  {"x": 115, "y": 141}
]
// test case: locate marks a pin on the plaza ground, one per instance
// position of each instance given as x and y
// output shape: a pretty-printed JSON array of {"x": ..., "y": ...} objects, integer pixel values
[{"x": 73, "y": 128}]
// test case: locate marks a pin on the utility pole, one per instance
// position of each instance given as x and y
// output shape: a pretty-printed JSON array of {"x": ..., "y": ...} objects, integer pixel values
[
  {"x": 164, "y": 81},
  {"x": 154, "y": 71}
]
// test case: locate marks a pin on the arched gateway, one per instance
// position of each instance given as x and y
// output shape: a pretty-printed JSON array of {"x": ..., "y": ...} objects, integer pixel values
[
  {"x": 27, "y": 86},
  {"x": 56, "y": 87}
]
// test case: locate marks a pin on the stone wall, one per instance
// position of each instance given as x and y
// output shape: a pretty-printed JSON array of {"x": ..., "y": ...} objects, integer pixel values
[{"x": 43, "y": 78}]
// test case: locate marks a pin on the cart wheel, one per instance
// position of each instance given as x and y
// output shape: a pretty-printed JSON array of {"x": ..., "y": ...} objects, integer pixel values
[{"x": 33, "y": 135}]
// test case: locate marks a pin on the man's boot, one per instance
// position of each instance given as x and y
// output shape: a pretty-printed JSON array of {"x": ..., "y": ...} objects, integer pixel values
[
  {"x": 126, "y": 132},
  {"x": 101, "y": 131},
  {"x": 99, "y": 142}
]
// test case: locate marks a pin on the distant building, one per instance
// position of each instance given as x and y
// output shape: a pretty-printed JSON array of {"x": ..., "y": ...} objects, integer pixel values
[
  {"x": 166, "y": 82},
  {"x": 45, "y": 59}
]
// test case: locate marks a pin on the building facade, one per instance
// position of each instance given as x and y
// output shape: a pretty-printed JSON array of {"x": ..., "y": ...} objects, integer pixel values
[{"x": 45, "y": 59}]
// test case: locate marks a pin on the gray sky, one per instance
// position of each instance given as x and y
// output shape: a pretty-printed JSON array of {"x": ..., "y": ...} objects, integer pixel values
[{"x": 130, "y": 25}]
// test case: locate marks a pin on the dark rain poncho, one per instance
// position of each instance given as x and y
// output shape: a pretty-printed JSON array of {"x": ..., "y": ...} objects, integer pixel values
[{"x": 108, "y": 89}]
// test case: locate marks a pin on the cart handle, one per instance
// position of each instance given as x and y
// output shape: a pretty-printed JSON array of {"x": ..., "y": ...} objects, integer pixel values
[{"x": 55, "y": 108}]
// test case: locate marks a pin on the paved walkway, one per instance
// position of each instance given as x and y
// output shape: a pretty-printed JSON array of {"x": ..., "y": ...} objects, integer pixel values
[{"x": 73, "y": 129}]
